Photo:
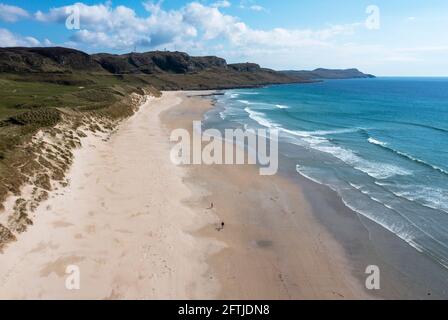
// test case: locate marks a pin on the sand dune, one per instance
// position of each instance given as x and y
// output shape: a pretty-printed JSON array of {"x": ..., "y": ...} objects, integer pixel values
[
  {"x": 121, "y": 220},
  {"x": 138, "y": 227}
]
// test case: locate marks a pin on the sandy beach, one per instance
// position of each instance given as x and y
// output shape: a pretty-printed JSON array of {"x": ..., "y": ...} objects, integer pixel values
[{"x": 139, "y": 227}]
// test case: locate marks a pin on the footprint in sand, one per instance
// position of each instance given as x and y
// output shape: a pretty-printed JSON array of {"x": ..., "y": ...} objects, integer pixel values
[
  {"x": 111, "y": 190},
  {"x": 114, "y": 295},
  {"x": 61, "y": 224},
  {"x": 59, "y": 266},
  {"x": 263, "y": 243},
  {"x": 90, "y": 229},
  {"x": 42, "y": 246},
  {"x": 135, "y": 215},
  {"x": 123, "y": 231}
]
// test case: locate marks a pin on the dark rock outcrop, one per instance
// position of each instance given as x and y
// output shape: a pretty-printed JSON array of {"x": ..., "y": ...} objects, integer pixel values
[
  {"x": 162, "y": 69},
  {"x": 157, "y": 62},
  {"x": 245, "y": 67},
  {"x": 57, "y": 59}
]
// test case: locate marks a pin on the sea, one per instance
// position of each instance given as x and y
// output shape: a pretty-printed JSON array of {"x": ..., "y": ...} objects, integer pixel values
[{"x": 381, "y": 144}]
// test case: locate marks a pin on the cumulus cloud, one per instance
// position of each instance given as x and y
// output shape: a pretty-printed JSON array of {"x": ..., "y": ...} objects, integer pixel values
[
  {"x": 102, "y": 25},
  {"x": 99, "y": 17},
  {"x": 10, "y": 13},
  {"x": 204, "y": 27},
  {"x": 212, "y": 23},
  {"x": 193, "y": 26},
  {"x": 9, "y": 39}
]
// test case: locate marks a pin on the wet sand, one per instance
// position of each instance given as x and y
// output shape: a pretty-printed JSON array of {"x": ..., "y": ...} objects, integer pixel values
[
  {"x": 300, "y": 237},
  {"x": 275, "y": 248},
  {"x": 139, "y": 227}
]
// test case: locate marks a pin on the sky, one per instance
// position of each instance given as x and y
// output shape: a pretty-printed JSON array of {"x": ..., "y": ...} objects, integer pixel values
[{"x": 382, "y": 37}]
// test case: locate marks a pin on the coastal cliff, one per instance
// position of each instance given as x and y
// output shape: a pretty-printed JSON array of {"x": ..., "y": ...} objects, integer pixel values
[{"x": 162, "y": 69}]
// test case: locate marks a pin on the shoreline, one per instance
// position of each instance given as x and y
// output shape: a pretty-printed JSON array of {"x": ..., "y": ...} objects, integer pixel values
[
  {"x": 272, "y": 249},
  {"x": 140, "y": 227},
  {"x": 405, "y": 272}
]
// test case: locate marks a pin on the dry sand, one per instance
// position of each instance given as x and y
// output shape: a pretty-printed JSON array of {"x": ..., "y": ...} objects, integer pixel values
[{"x": 138, "y": 227}]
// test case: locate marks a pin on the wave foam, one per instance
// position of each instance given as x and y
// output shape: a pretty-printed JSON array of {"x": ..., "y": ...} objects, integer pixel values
[
  {"x": 249, "y": 93},
  {"x": 377, "y": 142},
  {"x": 374, "y": 169},
  {"x": 406, "y": 155},
  {"x": 260, "y": 118},
  {"x": 317, "y": 142},
  {"x": 434, "y": 198}
]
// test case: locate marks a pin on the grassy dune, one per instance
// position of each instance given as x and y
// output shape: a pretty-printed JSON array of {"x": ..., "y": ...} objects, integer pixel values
[
  {"x": 29, "y": 103},
  {"x": 59, "y": 92}
]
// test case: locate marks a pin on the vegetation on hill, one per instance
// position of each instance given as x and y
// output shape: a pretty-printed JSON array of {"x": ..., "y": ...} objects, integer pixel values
[
  {"x": 324, "y": 74},
  {"x": 49, "y": 96},
  {"x": 59, "y": 92}
]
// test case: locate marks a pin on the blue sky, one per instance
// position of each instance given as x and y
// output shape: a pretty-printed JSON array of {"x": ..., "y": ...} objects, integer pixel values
[{"x": 394, "y": 38}]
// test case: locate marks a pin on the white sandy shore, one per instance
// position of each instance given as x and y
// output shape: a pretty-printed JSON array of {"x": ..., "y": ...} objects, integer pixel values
[
  {"x": 121, "y": 220},
  {"x": 138, "y": 228}
]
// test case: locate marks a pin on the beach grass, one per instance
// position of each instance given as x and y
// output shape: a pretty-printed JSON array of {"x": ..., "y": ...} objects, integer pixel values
[{"x": 32, "y": 102}]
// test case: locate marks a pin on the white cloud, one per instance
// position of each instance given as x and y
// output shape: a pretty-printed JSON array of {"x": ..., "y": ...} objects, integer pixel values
[
  {"x": 203, "y": 27},
  {"x": 9, "y": 39},
  {"x": 214, "y": 24},
  {"x": 256, "y": 7},
  {"x": 10, "y": 13},
  {"x": 425, "y": 49},
  {"x": 252, "y": 5},
  {"x": 211, "y": 21},
  {"x": 193, "y": 25},
  {"x": 120, "y": 28},
  {"x": 101, "y": 16},
  {"x": 222, "y": 4},
  {"x": 48, "y": 43}
]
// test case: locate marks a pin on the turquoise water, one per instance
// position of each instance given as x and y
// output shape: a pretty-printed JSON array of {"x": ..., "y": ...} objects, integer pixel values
[{"x": 381, "y": 144}]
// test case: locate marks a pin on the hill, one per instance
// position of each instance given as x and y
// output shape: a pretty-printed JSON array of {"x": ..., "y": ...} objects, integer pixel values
[
  {"x": 164, "y": 69},
  {"x": 157, "y": 62},
  {"x": 41, "y": 88},
  {"x": 323, "y": 74},
  {"x": 45, "y": 60},
  {"x": 61, "y": 92}
]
